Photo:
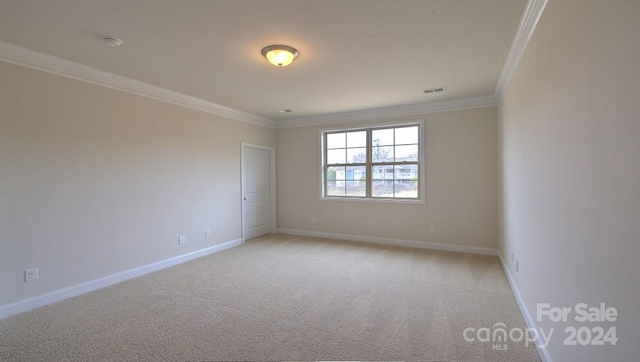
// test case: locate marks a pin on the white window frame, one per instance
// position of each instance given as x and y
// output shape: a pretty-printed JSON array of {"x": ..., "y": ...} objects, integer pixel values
[{"x": 421, "y": 163}]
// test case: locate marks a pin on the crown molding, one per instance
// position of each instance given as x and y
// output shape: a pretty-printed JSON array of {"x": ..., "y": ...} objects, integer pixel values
[
  {"x": 530, "y": 17},
  {"x": 408, "y": 110},
  {"x": 15, "y": 54},
  {"x": 532, "y": 13},
  {"x": 18, "y": 55}
]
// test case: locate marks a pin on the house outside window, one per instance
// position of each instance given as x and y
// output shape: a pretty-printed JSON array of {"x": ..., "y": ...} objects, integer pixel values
[{"x": 376, "y": 163}]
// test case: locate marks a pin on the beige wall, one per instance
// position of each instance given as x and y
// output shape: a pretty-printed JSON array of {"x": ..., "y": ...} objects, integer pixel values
[
  {"x": 461, "y": 185},
  {"x": 570, "y": 135},
  {"x": 95, "y": 181}
]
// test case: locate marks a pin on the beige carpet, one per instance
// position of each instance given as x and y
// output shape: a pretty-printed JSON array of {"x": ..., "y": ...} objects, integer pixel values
[{"x": 283, "y": 298}]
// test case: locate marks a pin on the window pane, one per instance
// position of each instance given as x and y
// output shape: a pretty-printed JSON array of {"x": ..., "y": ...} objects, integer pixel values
[
  {"x": 406, "y": 172},
  {"x": 406, "y": 181},
  {"x": 335, "y": 188},
  {"x": 406, "y": 135},
  {"x": 382, "y": 137},
  {"x": 382, "y": 188},
  {"x": 356, "y": 188},
  {"x": 357, "y": 139},
  {"x": 356, "y": 181},
  {"x": 356, "y": 173},
  {"x": 356, "y": 155},
  {"x": 336, "y": 156},
  {"x": 382, "y": 154},
  {"x": 406, "y": 189},
  {"x": 406, "y": 153},
  {"x": 382, "y": 172},
  {"x": 336, "y": 173},
  {"x": 336, "y": 140}
]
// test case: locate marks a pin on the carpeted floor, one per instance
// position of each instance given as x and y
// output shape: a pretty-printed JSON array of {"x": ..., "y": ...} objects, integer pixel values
[{"x": 283, "y": 297}]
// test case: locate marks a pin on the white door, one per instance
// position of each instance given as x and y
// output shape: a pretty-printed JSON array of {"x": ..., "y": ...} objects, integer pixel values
[{"x": 256, "y": 192}]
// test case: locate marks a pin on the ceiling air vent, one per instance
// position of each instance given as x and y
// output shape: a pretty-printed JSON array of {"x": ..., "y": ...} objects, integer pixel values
[{"x": 435, "y": 90}]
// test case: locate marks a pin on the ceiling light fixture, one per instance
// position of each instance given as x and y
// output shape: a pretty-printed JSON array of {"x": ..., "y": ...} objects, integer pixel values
[
  {"x": 280, "y": 55},
  {"x": 112, "y": 42}
]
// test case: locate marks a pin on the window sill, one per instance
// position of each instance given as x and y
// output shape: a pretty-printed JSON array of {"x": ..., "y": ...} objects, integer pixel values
[{"x": 374, "y": 200}]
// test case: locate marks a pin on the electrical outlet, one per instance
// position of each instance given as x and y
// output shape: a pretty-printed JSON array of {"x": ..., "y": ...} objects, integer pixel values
[
  {"x": 517, "y": 267},
  {"x": 30, "y": 275},
  {"x": 432, "y": 229},
  {"x": 207, "y": 233},
  {"x": 182, "y": 239},
  {"x": 313, "y": 220}
]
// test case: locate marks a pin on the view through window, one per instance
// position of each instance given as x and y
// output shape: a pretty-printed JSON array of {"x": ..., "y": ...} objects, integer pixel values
[{"x": 377, "y": 163}]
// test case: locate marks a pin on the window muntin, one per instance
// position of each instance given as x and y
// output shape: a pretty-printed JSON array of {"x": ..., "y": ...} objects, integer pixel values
[{"x": 373, "y": 163}]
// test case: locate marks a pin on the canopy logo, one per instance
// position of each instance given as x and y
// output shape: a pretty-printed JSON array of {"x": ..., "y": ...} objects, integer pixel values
[{"x": 499, "y": 335}]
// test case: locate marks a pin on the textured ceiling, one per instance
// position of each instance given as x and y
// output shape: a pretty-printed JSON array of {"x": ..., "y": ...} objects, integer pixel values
[{"x": 354, "y": 54}]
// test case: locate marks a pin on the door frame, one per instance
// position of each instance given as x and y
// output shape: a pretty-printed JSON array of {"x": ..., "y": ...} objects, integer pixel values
[{"x": 272, "y": 185}]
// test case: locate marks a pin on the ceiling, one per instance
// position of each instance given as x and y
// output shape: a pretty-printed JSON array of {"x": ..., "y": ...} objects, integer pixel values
[{"x": 355, "y": 55}]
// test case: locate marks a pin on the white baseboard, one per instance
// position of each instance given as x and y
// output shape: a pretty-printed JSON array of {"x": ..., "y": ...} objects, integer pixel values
[
  {"x": 531, "y": 323},
  {"x": 394, "y": 242},
  {"x": 58, "y": 295}
]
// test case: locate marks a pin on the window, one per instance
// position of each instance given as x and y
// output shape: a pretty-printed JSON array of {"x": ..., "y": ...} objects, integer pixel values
[{"x": 382, "y": 162}]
